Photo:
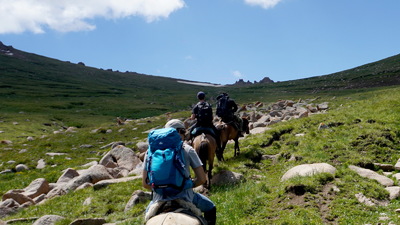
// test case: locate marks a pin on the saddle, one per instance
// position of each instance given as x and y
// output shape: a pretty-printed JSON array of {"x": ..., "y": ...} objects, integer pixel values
[
  {"x": 176, "y": 206},
  {"x": 206, "y": 130}
]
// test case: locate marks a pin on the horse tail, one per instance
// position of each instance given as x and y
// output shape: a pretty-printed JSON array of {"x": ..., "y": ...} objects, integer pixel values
[{"x": 203, "y": 152}]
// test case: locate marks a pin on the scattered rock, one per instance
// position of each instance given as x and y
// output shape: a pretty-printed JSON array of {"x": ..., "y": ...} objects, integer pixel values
[
  {"x": 226, "y": 177},
  {"x": 308, "y": 170},
  {"x": 394, "y": 192},
  {"x": 48, "y": 220},
  {"x": 385, "y": 181},
  {"x": 36, "y": 188},
  {"x": 105, "y": 183},
  {"x": 89, "y": 221},
  {"x": 21, "y": 167},
  {"x": 137, "y": 197},
  {"x": 370, "y": 202},
  {"x": 41, "y": 164},
  {"x": 68, "y": 175}
]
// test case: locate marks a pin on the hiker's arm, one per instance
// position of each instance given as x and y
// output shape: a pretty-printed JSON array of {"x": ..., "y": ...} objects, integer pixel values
[
  {"x": 200, "y": 176},
  {"x": 193, "y": 116},
  {"x": 144, "y": 180}
]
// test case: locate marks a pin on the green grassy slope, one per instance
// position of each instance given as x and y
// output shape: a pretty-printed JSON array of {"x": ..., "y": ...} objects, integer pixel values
[{"x": 44, "y": 95}]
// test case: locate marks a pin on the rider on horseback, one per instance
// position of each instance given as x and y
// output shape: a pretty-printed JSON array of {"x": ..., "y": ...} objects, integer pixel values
[
  {"x": 226, "y": 109},
  {"x": 202, "y": 112},
  {"x": 187, "y": 194}
]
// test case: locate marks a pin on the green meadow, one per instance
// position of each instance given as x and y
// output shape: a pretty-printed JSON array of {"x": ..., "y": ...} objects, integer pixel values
[{"x": 39, "y": 95}]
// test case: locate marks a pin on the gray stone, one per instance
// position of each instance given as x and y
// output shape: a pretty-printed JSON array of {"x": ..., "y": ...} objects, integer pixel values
[
  {"x": 41, "y": 164},
  {"x": 36, "y": 188},
  {"x": 48, "y": 220},
  {"x": 89, "y": 221},
  {"x": 142, "y": 146},
  {"x": 137, "y": 197},
  {"x": 226, "y": 177},
  {"x": 93, "y": 175},
  {"x": 308, "y": 170},
  {"x": 397, "y": 165},
  {"x": 21, "y": 167},
  {"x": 17, "y": 196},
  {"x": 385, "y": 181},
  {"x": 105, "y": 183},
  {"x": 68, "y": 175},
  {"x": 120, "y": 156},
  {"x": 394, "y": 192}
]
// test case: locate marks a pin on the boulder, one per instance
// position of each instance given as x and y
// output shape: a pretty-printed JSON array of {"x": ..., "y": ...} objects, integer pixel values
[
  {"x": 105, "y": 183},
  {"x": 385, "y": 181},
  {"x": 41, "y": 164},
  {"x": 308, "y": 170},
  {"x": 36, "y": 188},
  {"x": 137, "y": 197},
  {"x": 58, "y": 191},
  {"x": 21, "y": 167},
  {"x": 394, "y": 192},
  {"x": 397, "y": 165},
  {"x": 258, "y": 130},
  {"x": 68, "y": 175},
  {"x": 120, "y": 156},
  {"x": 6, "y": 211},
  {"x": 48, "y": 220},
  {"x": 17, "y": 196},
  {"x": 142, "y": 146},
  {"x": 10, "y": 203},
  {"x": 323, "y": 106},
  {"x": 93, "y": 175},
  {"x": 89, "y": 221},
  {"x": 226, "y": 177}
]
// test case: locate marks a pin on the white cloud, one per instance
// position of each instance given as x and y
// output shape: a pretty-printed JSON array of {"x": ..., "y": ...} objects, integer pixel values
[
  {"x": 266, "y": 4},
  {"x": 237, "y": 74},
  {"x": 17, "y": 16}
]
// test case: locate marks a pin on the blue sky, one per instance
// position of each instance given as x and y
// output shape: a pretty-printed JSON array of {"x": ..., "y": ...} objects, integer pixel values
[{"x": 217, "y": 41}]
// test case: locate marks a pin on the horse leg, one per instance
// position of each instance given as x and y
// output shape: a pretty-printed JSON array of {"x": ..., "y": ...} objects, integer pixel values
[
  {"x": 220, "y": 153},
  {"x": 237, "y": 149}
]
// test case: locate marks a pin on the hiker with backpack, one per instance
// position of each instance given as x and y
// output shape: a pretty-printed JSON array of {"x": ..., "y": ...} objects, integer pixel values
[
  {"x": 166, "y": 169},
  {"x": 226, "y": 108},
  {"x": 203, "y": 114}
]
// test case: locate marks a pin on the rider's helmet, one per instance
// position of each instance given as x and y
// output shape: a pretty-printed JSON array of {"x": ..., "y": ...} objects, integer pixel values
[
  {"x": 175, "y": 123},
  {"x": 201, "y": 95}
]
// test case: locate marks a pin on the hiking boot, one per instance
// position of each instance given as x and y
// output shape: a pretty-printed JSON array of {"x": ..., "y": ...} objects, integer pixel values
[{"x": 211, "y": 216}]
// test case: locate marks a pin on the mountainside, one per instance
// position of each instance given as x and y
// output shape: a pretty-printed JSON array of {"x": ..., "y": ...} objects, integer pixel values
[
  {"x": 58, "y": 119},
  {"x": 43, "y": 83}
]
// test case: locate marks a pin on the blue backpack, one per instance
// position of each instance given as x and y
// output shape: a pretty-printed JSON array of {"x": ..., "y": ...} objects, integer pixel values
[{"x": 166, "y": 162}]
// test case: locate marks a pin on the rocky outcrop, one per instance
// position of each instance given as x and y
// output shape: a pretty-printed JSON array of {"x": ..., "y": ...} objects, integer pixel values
[{"x": 117, "y": 163}]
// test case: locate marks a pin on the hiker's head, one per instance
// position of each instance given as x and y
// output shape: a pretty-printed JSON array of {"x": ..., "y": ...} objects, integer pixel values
[
  {"x": 222, "y": 95},
  {"x": 177, "y": 124},
  {"x": 201, "y": 95}
]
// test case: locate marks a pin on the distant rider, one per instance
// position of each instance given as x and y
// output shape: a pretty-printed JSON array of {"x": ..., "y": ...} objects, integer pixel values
[{"x": 202, "y": 112}]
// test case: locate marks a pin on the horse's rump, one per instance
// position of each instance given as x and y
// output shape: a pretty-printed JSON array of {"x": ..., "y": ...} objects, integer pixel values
[
  {"x": 177, "y": 211},
  {"x": 173, "y": 218},
  {"x": 206, "y": 146}
]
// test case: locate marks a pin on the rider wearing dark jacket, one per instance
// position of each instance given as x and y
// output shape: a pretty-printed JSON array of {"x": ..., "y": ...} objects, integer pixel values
[
  {"x": 204, "y": 121},
  {"x": 229, "y": 115}
]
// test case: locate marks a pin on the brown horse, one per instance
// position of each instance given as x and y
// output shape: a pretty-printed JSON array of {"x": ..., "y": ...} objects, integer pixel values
[
  {"x": 205, "y": 146},
  {"x": 228, "y": 132}
]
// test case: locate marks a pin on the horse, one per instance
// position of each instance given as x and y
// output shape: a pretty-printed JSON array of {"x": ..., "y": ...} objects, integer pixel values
[
  {"x": 175, "y": 212},
  {"x": 228, "y": 132},
  {"x": 205, "y": 146},
  {"x": 173, "y": 218}
]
